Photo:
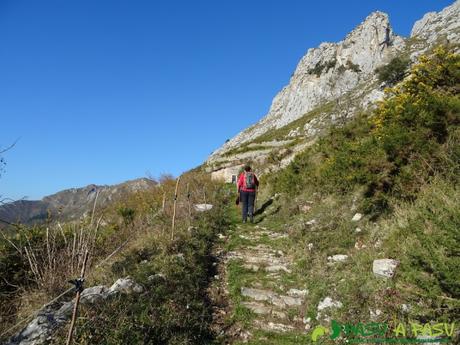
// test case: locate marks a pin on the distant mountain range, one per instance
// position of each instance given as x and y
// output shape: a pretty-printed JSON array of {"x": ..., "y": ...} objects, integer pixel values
[{"x": 69, "y": 204}]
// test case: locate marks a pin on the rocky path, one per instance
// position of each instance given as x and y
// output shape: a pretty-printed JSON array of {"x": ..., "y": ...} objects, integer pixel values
[{"x": 259, "y": 295}]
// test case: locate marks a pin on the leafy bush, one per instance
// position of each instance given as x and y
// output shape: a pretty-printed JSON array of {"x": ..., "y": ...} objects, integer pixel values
[{"x": 394, "y": 71}]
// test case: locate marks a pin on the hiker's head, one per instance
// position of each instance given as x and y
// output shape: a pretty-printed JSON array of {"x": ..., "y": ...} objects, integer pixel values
[{"x": 247, "y": 168}]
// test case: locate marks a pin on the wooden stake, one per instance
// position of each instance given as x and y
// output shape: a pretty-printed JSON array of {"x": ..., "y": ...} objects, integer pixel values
[
  {"x": 174, "y": 209},
  {"x": 77, "y": 301},
  {"x": 164, "y": 202},
  {"x": 189, "y": 204}
]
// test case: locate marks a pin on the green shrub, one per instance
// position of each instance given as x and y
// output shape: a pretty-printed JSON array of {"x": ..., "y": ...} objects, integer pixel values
[
  {"x": 353, "y": 67},
  {"x": 320, "y": 67},
  {"x": 394, "y": 71},
  {"x": 127, "y": 214}
]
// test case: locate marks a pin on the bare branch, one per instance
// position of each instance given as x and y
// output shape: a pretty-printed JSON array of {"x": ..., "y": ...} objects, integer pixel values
[{"x": 10, "y": 147}]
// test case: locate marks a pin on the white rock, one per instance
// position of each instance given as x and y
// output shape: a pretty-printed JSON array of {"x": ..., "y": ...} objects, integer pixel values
[
  {"x": 310, "y": 246},
  {"x": 157, "y": 276},
  {"x": 94, "y": 294},
  {"x": 405, "y": 308},
  {"x": 374, "y": 314},
  {"x": 328, "y": 302},
  {"x": 357, "y": 217},
  {"x": 64, "y": 311},
  {"x": 311, "y": 222},
  {"x": 202, "y": 207},
  {"x": 358, "y": 230},
  {"x": 39, "y": 329},
  {"x": 338, "y": 258},
  {"x": 125, "y": 285},
  {"x": 297, "y": 293},
  {"x": 384, "y": 267}
]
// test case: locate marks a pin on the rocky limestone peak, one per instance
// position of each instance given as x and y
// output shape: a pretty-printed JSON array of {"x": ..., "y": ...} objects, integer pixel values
[
  {"x": 326, "y": 73},
  {"x": 362, "y": 46},
  {"x": 437, "y": 24}
]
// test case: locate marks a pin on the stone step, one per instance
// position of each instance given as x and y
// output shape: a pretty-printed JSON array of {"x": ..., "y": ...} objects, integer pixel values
[
  {"x": 266, "y": 310},
  {"x": 273, "y": 326},
  {"x": 257, "y": 235},
  {"x": 275, "y": 258},
  {"x": 258, "y": 308},
  {"x": 258, "y": 294},
  {"x": 268, "y": 296},
  {"x": 269, "y": 269}
]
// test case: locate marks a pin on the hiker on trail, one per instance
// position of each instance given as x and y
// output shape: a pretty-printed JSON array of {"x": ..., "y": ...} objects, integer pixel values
[{"x": 247, "y": 187}]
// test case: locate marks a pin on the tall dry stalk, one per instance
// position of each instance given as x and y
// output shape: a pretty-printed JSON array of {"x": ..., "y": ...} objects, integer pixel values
[
  {"x": 173, "y": 224},
  {"x": 61, "y": 253}
]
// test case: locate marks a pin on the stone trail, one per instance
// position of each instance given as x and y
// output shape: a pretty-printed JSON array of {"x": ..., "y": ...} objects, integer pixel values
[{"x": 276, "y": 308}]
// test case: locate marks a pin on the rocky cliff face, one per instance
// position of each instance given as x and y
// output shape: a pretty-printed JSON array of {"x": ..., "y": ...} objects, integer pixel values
[
  {"x": 335, "y": 71},
  {"x": 434, "y": 25},
  {"x": 69, "y": 204}
]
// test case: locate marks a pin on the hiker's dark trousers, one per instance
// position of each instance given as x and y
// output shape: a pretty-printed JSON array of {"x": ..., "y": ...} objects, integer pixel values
[{"x": 247, "y": 199}]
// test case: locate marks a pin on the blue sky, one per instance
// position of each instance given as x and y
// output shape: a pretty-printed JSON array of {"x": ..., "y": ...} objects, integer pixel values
[{"x": 105, "y": 91}]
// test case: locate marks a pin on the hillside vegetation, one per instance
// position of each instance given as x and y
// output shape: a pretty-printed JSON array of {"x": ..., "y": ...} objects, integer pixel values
[
  {"x": 130, "y": 237},
  {"x": 391, "y": 152}
]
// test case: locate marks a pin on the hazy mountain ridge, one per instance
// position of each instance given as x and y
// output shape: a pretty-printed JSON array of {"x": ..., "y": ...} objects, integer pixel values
[{"x": 69, "y": 204}]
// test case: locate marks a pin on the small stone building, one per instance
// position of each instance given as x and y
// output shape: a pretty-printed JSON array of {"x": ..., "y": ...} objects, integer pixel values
[{"x": 228, "y": 174}]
